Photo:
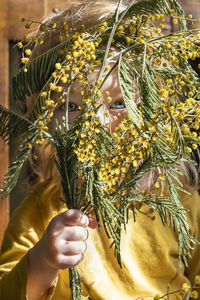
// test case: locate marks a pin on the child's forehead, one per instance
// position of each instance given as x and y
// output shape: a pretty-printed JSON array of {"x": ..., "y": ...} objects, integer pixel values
[{"x": 111, "y": 83}]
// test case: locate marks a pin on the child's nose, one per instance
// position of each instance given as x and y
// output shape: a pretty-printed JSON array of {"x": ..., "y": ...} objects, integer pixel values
[
  {"x": 112, "y": 124},
  {"x": 107, "y": 121},
  {"x": 101, "y": 114}
]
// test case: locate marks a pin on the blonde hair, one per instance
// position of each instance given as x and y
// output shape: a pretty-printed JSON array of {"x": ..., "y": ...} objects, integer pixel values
[{"x": 87, "y": 13}]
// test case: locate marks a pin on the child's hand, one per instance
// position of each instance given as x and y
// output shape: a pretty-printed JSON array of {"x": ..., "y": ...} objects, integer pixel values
[
  {"x": 64, "y": 241},
  {"x": 62, "y": 246}
]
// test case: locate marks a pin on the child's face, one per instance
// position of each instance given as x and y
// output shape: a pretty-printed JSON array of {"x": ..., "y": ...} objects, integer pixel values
[{"x": 115, "y": 108}]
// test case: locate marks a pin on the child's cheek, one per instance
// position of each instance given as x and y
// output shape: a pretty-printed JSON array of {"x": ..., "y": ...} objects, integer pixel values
[
  {"x": 72, "y": 116},
  {"x": 118, "y": 115}
]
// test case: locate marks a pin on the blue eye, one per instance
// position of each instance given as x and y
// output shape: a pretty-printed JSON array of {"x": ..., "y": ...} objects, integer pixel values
[
  {"x": 72, "y": 107},
  {"x": 118, "y": 105}
]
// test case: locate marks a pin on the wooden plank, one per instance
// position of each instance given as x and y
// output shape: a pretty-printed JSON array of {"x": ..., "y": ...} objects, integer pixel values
[
  {"x": 22, "y": 9},
  {"x": 191, "y": 7},
  {"x": 52, "y": 5},
  {"x": 19, "y": 9},
  {"x": 4, "y": 205}
]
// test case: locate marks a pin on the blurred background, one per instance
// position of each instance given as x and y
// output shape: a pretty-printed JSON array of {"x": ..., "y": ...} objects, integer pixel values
[{"x": 11, "y": 31}]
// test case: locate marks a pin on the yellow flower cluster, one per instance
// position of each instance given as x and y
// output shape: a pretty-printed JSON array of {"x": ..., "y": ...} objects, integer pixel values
[
  {"x": 138, "y": 30},
  {"x": 87, "y": 148},
  {"x": 79, "y": 60},
  {"x": 197, "y": 280},
  {"x": 185, "y": 115},
  {"x": 186, "y": 291},
  {"x": 130, "y": 148},
  {"x": 194, "y": 294}
]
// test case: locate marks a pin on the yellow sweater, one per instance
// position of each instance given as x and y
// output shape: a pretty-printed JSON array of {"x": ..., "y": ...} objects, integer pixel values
[{"x": 149, "y": 253}]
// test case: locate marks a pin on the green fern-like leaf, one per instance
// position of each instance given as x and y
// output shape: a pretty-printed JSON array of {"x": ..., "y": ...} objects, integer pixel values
[
  {"x": 12, "y": 125},
  {"x": 11, "y": 177},
  {"x": 67, "y": 165},
  {"x": 177, "y": 7},
  {"x": 158, "y": 6},
  {"x": 148, "y": 7},
  {"x": 127, "y": 84},
  {"x": 184, "y": 237},
  {"x": 39, "y": 72},
  {"x": 107, "y": 215},
  {"x": 149, "y": 91}
]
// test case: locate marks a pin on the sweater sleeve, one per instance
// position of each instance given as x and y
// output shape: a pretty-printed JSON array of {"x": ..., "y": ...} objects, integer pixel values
[
  {"x": 25, "y": 228},
  {"x": 193, "y": 207},
  {"x": 13, "y": 281},
  {"x": 13, "y": 260}
]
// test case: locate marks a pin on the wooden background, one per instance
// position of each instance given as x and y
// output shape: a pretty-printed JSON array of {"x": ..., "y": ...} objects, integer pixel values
[{"x": 11, "y": 29}]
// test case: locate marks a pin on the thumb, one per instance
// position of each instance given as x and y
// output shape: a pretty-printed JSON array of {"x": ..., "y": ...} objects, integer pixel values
[{"x": 92, "y": 222}]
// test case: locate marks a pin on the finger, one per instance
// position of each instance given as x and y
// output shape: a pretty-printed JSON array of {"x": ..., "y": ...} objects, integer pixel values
[
  {"x": 74, "y": 233},
  {"x": 74, "y": 248},
  {"x": 75, "y": 217},
  {"x": 92, "y": 222},
  {"x": 65, "y": 261}
]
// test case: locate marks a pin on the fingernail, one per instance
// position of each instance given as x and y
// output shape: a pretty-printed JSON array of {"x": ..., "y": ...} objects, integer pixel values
[
  {"x": 84, "y": 220},
  {"x": 70, "y": 212}
]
